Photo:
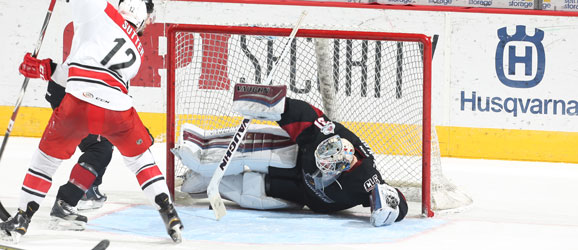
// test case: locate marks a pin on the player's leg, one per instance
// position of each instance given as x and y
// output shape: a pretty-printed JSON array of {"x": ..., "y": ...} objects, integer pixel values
[
  {"x": 62, "y": 134},
  {"x": 126, "y": 131},
  {"x": 97, "y": 151},
  {"x": 89, "y": 169},
  {"x": 64, "y": 214},
  {"x": 96, "y": 157},
  {"x": 285, "y": 184},
  {"x": 36, "y": 184}
]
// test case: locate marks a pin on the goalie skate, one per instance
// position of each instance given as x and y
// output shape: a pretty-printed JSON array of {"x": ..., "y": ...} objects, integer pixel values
[{"x": 66, "y": 217}]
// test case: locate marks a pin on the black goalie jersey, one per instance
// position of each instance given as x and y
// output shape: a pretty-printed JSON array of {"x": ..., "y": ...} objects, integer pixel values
[{"x": 304, "y": 184}]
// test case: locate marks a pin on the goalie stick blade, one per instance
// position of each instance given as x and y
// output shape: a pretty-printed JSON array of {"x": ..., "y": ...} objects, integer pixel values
[
  {"x": 217, "y": 204},
  {"x": 4, "y": 215},
  {"x": 102, "y": 245}
]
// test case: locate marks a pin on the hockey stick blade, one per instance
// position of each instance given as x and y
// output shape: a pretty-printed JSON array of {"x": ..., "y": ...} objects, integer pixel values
[
  {"x": 4, "y": 215},
  {"x": 213, "y": 188},
  {"x": 102, "y": 245},
  {"x": 9, "y": 248}
]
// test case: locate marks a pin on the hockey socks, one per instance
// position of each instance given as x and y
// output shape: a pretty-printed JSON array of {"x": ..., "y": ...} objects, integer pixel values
[{"x": 148, "y": 175}]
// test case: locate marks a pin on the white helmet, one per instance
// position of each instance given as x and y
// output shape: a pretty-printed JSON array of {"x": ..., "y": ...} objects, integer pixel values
[
  {"x": 134, "y": 12},
  {"x": 334, "y": 155}
]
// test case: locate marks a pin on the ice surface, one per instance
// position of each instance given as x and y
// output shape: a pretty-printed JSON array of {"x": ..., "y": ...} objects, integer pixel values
[{"x": 517, "y": 205}]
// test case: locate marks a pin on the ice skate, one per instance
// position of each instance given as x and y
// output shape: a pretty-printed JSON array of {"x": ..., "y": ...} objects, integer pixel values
[
  {"x": 66, "y": 217},
  {"x": 14, "y": 227},
  {"x": 170, "y": 217},
  {"x": 92, "y": 199}
]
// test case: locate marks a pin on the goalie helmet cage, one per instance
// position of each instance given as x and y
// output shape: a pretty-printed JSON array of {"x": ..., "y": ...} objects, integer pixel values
[{"x": 376, "y": 84}]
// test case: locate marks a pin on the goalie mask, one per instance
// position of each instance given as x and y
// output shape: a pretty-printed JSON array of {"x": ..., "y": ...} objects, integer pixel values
[
  {"x": 137, "y": 12},
  {"x": 334, "y": 155}
]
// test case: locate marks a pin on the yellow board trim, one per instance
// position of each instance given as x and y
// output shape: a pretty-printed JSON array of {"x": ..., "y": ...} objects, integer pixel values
[
  {"x": 508, "y": 144},
  {"x": 463, "y": 142}
]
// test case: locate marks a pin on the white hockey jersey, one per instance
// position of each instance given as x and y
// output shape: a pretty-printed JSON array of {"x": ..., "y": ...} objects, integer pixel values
[{"x": 106, "y": 53}]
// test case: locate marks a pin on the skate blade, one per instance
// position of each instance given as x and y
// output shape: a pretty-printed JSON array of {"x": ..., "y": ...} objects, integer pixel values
[
  {"x": 5, "y": 236},
  {"x": 60, "y": 224},
  {"x": 176, "y": 234},
  {"x": 13, "y": 237},
  {"x": 16, "y": 237}
]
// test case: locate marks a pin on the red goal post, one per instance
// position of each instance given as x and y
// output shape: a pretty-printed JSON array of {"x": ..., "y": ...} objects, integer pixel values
[{"x": 202, "y": 56}]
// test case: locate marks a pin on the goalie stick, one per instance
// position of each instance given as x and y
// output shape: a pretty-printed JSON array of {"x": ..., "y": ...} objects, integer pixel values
[
  {"x": 213, "y": 189},
  {"x": 4, "y": 215}
]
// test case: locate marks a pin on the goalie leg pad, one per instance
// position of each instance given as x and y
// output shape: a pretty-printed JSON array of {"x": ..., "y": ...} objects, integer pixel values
[
  {"x": 254, "y": 195},
  {"x": 231, "y": 187},
  {"x": 263, "y": 146},
  {"x": 385, "y": 202},
  {"x": 248, "y": 191},
  {"x": 195, "y": 183}
]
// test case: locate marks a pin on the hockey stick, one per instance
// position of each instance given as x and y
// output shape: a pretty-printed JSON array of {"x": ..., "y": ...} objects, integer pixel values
[
  {"x": 9, "y": 248},
  {"x": 102, "y": 245},
  {"x": 4, "y": 215},
  {"x": 213, "y": 189},
  {"x": 434, "y": 43}
]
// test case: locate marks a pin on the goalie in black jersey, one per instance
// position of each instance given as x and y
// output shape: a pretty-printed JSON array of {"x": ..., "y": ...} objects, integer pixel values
[{"x": 312, "y": 161}]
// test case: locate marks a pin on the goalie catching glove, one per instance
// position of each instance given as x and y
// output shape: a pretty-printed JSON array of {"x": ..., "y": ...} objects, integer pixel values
[
  {"x": 261, "y": 102},
  {"x": 387, "y": 205},
  {"x": 32, "y": 67}
]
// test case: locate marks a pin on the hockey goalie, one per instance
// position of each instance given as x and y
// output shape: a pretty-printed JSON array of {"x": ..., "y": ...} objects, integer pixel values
[{"x": 308, "y": 160}]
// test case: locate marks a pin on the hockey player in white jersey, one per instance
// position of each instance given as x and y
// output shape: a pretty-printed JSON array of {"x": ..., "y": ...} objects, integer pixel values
[{"x": 106, "y": 53}]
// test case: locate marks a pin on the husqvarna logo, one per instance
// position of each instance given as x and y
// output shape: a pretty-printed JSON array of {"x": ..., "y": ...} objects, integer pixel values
[{"x": 520, "y": 58}]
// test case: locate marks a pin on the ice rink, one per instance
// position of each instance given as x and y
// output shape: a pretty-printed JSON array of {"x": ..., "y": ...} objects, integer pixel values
[{"x": 517, "y": 205}]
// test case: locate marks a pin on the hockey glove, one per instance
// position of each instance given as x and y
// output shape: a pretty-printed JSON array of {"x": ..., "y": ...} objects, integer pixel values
[
  {"x": 384, "y": 205},
  {"x": 35, "y": 68}
]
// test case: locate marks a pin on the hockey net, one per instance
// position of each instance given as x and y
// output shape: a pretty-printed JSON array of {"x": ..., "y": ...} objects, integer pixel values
[{"x": 376, "y": 84}]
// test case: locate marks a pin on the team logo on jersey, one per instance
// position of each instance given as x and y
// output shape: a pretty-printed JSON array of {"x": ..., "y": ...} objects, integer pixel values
[
  {"x": 370, "y": 183},
  {"x": 326, "y": 127},
  {"x": 88, "y": 95}
]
